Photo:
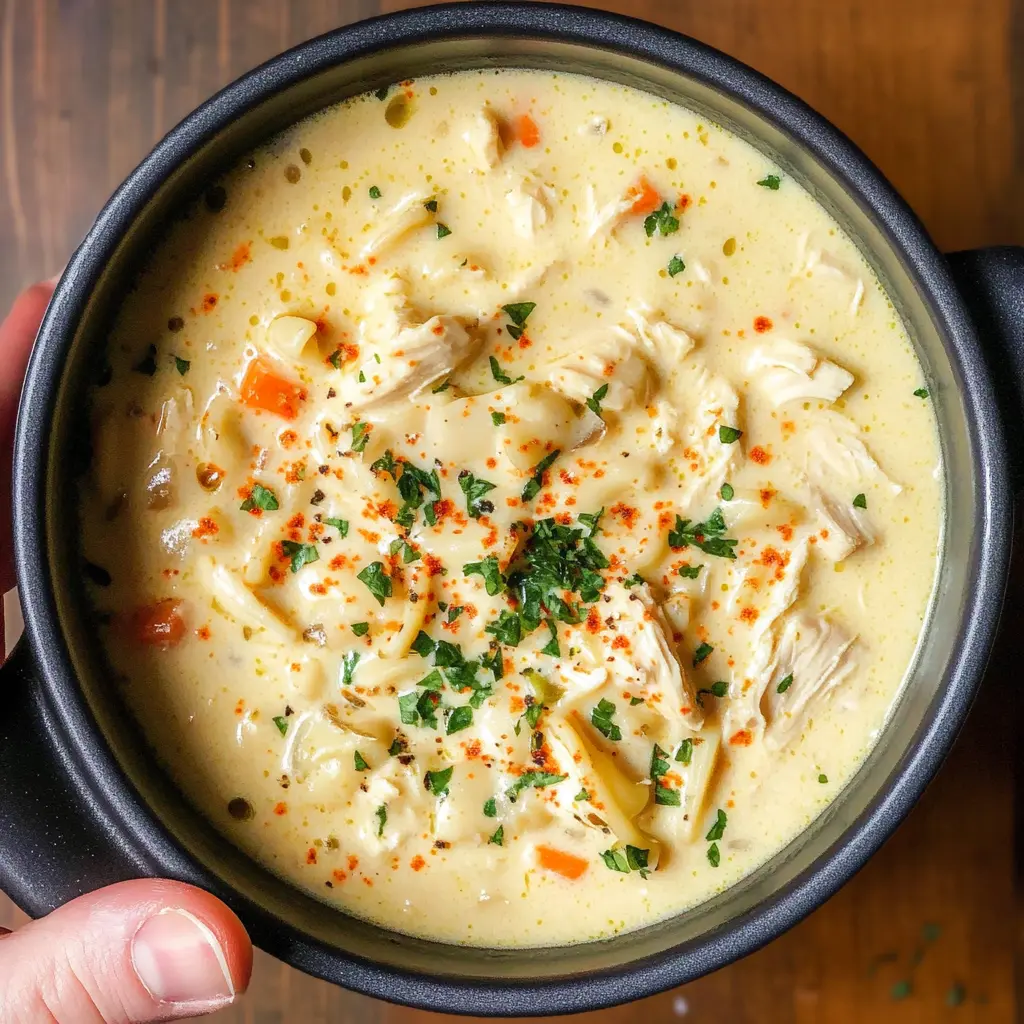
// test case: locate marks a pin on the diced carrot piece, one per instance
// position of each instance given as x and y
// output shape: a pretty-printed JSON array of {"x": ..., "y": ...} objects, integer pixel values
[
  {"x": 160, "y": 625},
  {"x": 648, "y": 198},
  {"x": 527, "y": 131},
  {"x": 567, "y": 865},
  {"x": 262, "y": 388}
]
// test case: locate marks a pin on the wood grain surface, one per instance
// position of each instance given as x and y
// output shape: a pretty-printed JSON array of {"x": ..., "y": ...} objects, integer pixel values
[{"x": 933, "y": 90}]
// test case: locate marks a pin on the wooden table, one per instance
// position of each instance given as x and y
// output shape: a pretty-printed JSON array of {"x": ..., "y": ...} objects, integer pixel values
[{"x": 934, "y": 92}]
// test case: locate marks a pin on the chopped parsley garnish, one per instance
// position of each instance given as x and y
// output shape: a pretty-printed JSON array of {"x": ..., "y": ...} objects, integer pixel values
[
  {"x": 457, "y": 719},
  {"x": 377, "y": 581},
  {"x": 582, "y": 796},
  {"x": 430, "y": 206},
  {"x": 707, "y": 535},
  {"x": 729, "y": 435},
  {"x": 409, "y": 553},
  {"x": 676, "y": 265},
  {"x": 684, "y": 755},
  {"x": 921, "y": 392},
  {"x": 385, "y": 464},
  {"x": 555, "y": 559},
  {"x": 785, "y": 684},
  {"x": 182, "y": 365},
  {"x": 661, "y": 221},
  {"x": 533, "y": 780},
  {"x": 636, "y": 580},
  {"x": 348, "y": 667},
  {"x": 497, "y": 418},
  {"x": 423, "y": 645},
  {"x": 362, "y": 377},
  {"x": 601, "y": 719},
  {"x": 860, "y": 501},
  {"x": 419, "y": 707},
  {"x": 718, "y": 828},
  {"x": 300, "y": 554},
  {"x": 701, "y": 653},
  {"x": 491, "y": 808},
  {"x": 823, "y": 778},
  {"x": 592, "y": 520},
  {"x": 500, "y": 375},
  {"x": 595, "y": 400},
  {"x": 714, "y": 855},
  {"x": 360, "y": 628},
  {"x": 727, "y": 492},
  {"x": 474, "y": 490},
  {"x": 398, "y": 746},
  {"x": 518, "y": 313},
  {"x": 443, "y": 231},
  {"x": 453, "y": 612},
  {"x": 335, "y": 360},
  {"x": 260, "y": 497},
  {"x": 437, "y": 782},
  {"x": 663, "y": 794},
  {"x": 772, "y": 181},
  {"x": 533, "y": 486},
  {"x": 382, "y": 819},
  {"x": 491, "y": 572},
  {"x": 631, "y": 859},
  {"x": 690, "y": 572},
  {"x": 499, "y": 836},
  {"x": 506, "y": 628},
  {"x": 719, "y": 689},
  {"x": 432, "y": 681},
  {"x": 551, "y": 648},
  {"x": 341, "y": 525},
  {"x": 633, "y": 701},
  {"x": 360, "y": 762},
  {"x": 382, "y": 92},
  {"x": 360, "y": 435},
  {"x": 282, "y": 724},
  {"x": 374, "y": 192}
]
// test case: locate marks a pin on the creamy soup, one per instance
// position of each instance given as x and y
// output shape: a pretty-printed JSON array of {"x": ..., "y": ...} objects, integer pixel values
[{"x": 514, "y": 507}]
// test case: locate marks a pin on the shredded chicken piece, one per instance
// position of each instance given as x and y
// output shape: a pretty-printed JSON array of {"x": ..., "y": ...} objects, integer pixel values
[
  {"x": 406, "y": 215},
  {"x": 653, "y": 663},
  {"x": 610, "y": 357},
  {"x": 707, "y": 459},
  {"x": 602, "y": 220},
  {"x": 812, "y": 260},
  {"x": 483, "y": 136},
  {"x": 816, "y": 653},
  {"x": 664, "y": 341},
  {"x": 842, "y": 529},
  {"x": 836, "y": 458},
  {"x": 787, "y": 371},
  {"x": 529, "y": 202}
]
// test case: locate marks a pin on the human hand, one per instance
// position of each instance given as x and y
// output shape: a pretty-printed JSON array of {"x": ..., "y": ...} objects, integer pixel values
[{"x": 144, "y": 950}]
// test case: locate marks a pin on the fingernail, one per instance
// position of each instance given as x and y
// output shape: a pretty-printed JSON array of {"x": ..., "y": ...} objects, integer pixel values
[{"x": 179, "y": 960}]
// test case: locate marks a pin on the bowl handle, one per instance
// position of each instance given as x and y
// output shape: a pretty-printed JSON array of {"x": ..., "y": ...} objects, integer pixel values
[
  {"x": 992, "y": 283},
  {"x": 52, "y": 844}
]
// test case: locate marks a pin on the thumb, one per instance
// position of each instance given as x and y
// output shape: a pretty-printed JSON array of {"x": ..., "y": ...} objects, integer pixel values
[{"x": 133, "y": 952}]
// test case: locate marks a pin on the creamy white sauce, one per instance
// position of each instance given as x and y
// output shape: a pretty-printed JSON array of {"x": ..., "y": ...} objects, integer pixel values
[{"x": 764, "y": 678}]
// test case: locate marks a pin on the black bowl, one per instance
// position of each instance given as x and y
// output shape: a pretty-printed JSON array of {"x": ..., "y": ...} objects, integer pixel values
[{"x": 84, "y": 803}]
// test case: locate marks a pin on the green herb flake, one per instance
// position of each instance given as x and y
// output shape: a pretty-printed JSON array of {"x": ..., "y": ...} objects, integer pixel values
[
  {"x": 663, "y": 795},
  {"x": 423, "y": 645},
  {"x": 443, "y": 231},
  {"x": 454, "y": 612},
  {"x": 719, "y": 689},
  {"x": 706, "y": 536},
  {"x": 430, "y": 206},
  {"x": 382, "y": 819},
  {"x": 490, "y": 570},
  {"x": 519, "y": 312},
  {"x": 262, "y": 498},
  {"x": 458, "y": 719},
  {"x": 676, "y": 265},
  {"x": 551, "y": 648},
  {"x": 594, "y": 401},
  {"x": 661, "y": 221},
  {"x": 499, "y": 836},
  {"x": 921, "y": 392},
  {"x": 727, "y": 492},
  {"x": 497, "y": 418},
  {"x": 348, "y": 667},
  {"x": 437, "y": 782},
  {"x": 360, "y": 436},
  {"x": 500, "y": 375},
  {"x": 374, "y": 192},
  {"x": 714, "y": 856},
  {"x": 860, "y": 501},
  {"x": 182, "y": 365},
  {"x": 701, "y": 653},
  {"x": 474, "y": 489},
  {"x": 377, "y": 581},
  {"x": 582, "y": 797},
  {"x": 382, "y": 92},
  {"x": 823, "y": 779},
  {"x": 491, "y": 808},
  {"x": 601, "y": 719},
  {"x": 282, "y": 724},
  {"x": 398, "y": 746},
  {"x": 533, "y": 486},
  {"x": 360, "y": 762},
  {"x": 341, "y": 525},
  {"x": 718, "y": 829},
  {"x": 360, "y": 628},
  {"x": 507, "y": 628},
  {"x": 441, "y": 387},
  {"x": 533, "y": 780},
  {"x": 785, "y": 684},
  {"x": 690, "y": 572},
  {"x": 300, "y": 554},
  {"x": 684, "y": 755},
  {"x": 636, "y": 580},
  {"x": 729, "y": 435},
  {"x": 632, "y": 858},
  {"x": 771, "y": 181}
]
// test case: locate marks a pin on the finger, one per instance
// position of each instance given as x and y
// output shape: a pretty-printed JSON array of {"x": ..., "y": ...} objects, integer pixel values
[
  {"x": 134, "y": 952},
  {"x": 17, "y": 333}
]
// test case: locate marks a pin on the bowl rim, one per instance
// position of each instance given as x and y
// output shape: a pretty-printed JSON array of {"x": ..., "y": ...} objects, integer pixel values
[{"x": 842, "y": 159}]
